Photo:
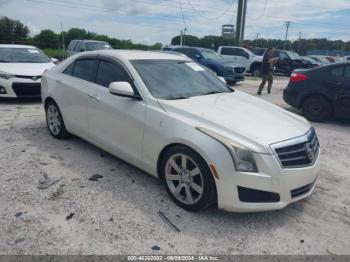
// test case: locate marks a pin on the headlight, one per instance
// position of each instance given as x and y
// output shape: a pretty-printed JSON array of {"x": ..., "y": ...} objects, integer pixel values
[
  {"x": 242, "y": 157},
  {"x": 6, "y": 75}
]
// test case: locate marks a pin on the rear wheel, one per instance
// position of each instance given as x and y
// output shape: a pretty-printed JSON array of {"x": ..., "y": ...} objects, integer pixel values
[
  {"x": 187, "y": 179},
  {"x": 54, "y": 121},
  {"x": 317, "y": 108}
]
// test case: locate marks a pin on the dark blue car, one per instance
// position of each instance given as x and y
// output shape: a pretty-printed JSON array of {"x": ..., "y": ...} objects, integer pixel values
[{"x": 212, "y": 60}]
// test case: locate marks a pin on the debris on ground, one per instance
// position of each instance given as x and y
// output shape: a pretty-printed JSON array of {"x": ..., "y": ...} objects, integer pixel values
[
  {"x": 46, "y": 182},
  {"x": 15, "y": 242},
  {"x": 95, "y": 177},
  {"x": 58, "y": 193},
  {"x": 156, "y": 248},
  {"x": 18, "y": 214},
  {"x": 331, "y": 252},
  {"x": 168, "y": 222},
  {"x": 69, "y": 216}
]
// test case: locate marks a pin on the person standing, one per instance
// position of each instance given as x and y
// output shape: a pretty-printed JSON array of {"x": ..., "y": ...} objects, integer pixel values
[{"x": 267, "y": 70}]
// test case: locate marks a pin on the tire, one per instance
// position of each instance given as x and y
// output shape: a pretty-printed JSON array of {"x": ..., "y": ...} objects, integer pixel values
[
  {"x": 180, "y": 183},
  {"x": 256, "y": 71},
  {"x": 231, "y": 83},
  {"x": 54, "y": 121},
  {"x": 317, "y": 108}
]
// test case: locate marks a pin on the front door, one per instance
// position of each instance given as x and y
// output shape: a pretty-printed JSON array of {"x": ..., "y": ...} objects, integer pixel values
[{"x": 116, "y": 122}]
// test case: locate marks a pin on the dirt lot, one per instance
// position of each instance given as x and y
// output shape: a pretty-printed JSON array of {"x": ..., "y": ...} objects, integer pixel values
[{"x": 118, "y": 213}]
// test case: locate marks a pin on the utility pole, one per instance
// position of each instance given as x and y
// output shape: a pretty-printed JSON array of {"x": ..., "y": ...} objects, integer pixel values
[
  {"x": 63, "y": 42},
  {"x": 299, "y": 44},
  {"x": 256, "y": 40},
  {"x": 239, "y": 22},
  {"x": 245, "y": 3},
  {"x": 288, "y": 24},
  {"x": 181, "y": 37}
]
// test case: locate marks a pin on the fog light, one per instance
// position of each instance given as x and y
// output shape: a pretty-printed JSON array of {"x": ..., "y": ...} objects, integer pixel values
[{"x": 2, "y": 90}]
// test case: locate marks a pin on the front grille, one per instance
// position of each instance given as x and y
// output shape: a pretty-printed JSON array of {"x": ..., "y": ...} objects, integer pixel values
[
  {"x": 239, "y": 70},
  {"x": 34, "y": 78},
  {"x": 27, "y": 89},
  {"x": 301, "y": 190},
  {"x": 299, "y": 152}
]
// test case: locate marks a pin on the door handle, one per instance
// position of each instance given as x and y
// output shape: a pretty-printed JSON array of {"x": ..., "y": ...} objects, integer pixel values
[{"x": 95, "y": 97}]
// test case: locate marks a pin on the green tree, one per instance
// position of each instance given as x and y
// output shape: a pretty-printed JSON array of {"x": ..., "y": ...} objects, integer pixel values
[
  {"x": 48, "y": 39},
  {"x": 12, "y": 30}
]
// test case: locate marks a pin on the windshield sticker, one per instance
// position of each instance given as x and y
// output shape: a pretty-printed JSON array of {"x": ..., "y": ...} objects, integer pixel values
[
  {"x": 33, "y": 51},
  {"x": 195, "y": 67}
]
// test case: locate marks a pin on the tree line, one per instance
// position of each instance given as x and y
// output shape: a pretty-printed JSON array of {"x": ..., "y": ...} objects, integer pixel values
[{"x": 13, "y": 31}]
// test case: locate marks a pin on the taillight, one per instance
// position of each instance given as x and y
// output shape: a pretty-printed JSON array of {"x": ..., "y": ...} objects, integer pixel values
[{"x": 297, "y": 77}]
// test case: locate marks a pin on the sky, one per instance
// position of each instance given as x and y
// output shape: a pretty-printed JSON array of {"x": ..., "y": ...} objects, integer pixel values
[{"x": 151, "y": 21}]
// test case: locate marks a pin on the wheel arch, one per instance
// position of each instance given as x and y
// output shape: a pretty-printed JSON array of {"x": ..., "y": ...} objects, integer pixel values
[
  {"x": 306, "y": 96},
  {"x": 47, "y": 100}
]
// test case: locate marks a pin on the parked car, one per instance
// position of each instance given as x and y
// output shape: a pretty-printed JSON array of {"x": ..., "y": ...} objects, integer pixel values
[
  {"x": 259, "y": 51},
  {"x": 229, "y": 70},
  {"x": 322, "y": 92},
  {"x": 312, "y": 62},
  {"x": 21, "y": 67},
  {"x": 345, "y": 58},
  {"x": 77, "y": 46},
  {"x": 167, "y": 115},
  {"x": 289, "y": 61},
  {"x": 319, "y": 58},
  {"x": 243, "y": 56}
]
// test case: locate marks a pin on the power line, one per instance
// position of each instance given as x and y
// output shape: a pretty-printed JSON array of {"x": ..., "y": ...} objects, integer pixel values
[{"x": 211, "y": 18}]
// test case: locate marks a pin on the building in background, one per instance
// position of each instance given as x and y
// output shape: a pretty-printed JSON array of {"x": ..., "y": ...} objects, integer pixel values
[{"x": 228, "y": 31}]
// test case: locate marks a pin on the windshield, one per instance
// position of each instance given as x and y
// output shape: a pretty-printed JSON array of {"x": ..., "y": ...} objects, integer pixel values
[
  {"x": 208, "y": 54},
  {"x": 293, "y": 55},
  {"x": 175, "y": 79},
  {"x": 22, "y": 55},
  {"x": 91, "y": 46}
]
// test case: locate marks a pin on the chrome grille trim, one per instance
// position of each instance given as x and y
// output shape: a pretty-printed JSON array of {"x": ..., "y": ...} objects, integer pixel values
[{"x": 297, "y": 152}]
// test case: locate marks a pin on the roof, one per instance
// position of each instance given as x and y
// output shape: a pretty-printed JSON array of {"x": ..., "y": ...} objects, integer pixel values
[
  {"x": 16, "y": 46},
  {"x": 139, "y": 55}
]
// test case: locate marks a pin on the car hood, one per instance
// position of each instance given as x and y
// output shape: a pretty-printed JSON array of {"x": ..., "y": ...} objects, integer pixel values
[
  {"x": 222, "y": 63},
  {"x": 25, "y": 69},
  {"x": 240, "y": 117}
]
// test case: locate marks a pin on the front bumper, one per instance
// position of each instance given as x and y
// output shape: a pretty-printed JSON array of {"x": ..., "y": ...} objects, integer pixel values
[
  {"x": 234, "y": 74},
  {"x": 20, "y": 88},
  {"x": 290, "y": 185},
  {"x": 290, "y": 96}
]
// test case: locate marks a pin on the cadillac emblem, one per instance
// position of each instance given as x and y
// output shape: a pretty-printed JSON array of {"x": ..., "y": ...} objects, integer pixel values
[
  {"x": 34, "y": 78},
  {"x": 309, "y": 152}
]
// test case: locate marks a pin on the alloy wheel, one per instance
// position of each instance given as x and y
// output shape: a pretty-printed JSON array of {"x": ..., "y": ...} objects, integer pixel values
[
  {"x": 54, "y": 119},
  {"x": 184, "y": 179}
]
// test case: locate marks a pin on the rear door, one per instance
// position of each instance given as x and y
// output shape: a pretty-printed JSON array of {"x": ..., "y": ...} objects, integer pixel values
[
  {"x": 283, "y": 64},
  {"x": 74, "y": 89},
  {"x": 237, "y": 55},
  {"x": 343, "y": 93}
]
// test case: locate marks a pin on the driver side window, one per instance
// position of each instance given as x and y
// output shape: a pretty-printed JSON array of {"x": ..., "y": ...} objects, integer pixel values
[{"x": 108, "y": 72}]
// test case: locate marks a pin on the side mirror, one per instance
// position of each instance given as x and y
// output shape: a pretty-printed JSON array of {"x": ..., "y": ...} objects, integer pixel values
[
  {"x": 222, "y": 79},
  {"x": 198, "y": 57},
  {"x": 123, "y": 89},
  {"x": 54, "y": 60}
]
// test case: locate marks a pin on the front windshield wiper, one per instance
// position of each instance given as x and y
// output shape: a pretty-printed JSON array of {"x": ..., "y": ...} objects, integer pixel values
[
  {"x": 4, "y": 61},
  {"x": 178, "y": 97},
  {"x": 212, "y": 93}
]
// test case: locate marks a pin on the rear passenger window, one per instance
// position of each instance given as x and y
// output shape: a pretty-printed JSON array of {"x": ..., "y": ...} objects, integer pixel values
[
  {"x": 337, "y": 72},
  {"x": 85, "y": 69},
  {"x": 109, "y": 72},
  {"x": 69, "y": 69}
]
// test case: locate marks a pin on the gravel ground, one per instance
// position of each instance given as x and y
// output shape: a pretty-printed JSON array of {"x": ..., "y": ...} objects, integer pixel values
[{"x": 118, "y": 214}]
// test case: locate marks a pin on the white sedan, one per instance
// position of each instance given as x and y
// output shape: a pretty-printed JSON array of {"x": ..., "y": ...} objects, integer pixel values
[
  {"x": 209, "y": 144},
  {"x": 21, "y": 67}
]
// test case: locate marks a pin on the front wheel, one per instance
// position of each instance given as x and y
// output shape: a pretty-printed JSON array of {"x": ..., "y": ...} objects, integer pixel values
[
  {"x": 317, "y": 108},
  {"x": 55, "y": 121},
  {"x": 188, "y": 179}
]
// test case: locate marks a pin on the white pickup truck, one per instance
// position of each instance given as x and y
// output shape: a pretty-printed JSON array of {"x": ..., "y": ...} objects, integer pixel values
[{"x": 242, "y": 56}]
